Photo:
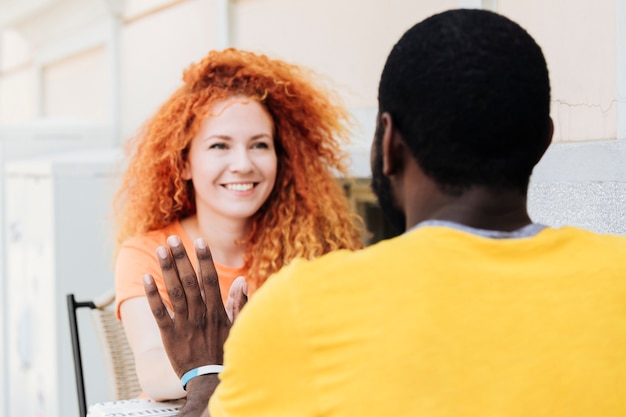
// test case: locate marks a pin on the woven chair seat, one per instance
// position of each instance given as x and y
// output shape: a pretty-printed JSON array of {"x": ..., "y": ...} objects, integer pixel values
[{"x": 118, "y": 356}]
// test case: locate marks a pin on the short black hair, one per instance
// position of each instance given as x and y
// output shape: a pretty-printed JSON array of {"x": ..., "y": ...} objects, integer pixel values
[{"x": 470, "y": 93}]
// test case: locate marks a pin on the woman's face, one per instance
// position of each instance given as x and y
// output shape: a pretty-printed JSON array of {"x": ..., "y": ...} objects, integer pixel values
[{"x": 232, "y": 160}]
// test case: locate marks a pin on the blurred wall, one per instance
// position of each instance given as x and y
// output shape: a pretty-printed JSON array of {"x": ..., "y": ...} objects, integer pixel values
[
  {"x": 579, "y": 40},
  {"x": 144, "y": 47}
]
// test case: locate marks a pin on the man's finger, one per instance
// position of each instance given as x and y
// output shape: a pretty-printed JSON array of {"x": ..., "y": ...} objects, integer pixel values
[
  {"x": 190, "y": 299},
  {"x": 172, "y": 281},
  {"x": 193, "y": 302},
  {"x": 159, "y": 311},
  {"x": 208, "y": 277}
]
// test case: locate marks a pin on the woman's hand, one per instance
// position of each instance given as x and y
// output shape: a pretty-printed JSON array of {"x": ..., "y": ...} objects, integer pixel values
[{"x": 237, "y": 298}]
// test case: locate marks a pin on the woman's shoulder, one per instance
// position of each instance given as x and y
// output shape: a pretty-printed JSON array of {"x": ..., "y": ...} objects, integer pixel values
[{"x": 154, "y": 238}]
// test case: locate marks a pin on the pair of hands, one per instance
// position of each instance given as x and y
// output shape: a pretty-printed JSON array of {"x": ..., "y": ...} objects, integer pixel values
[{"x": 196, "y": 333}]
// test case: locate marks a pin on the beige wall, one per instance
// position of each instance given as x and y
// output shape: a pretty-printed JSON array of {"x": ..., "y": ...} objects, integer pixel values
[
  {"x": 156, "y": 45},
  {"x": 17, "y": 97},
  {"x": 579, "y": 41},
  {"x": 17, "y": 91},
  {"x": 77, "y": 87},
  {"x": 346, "y": 41}
]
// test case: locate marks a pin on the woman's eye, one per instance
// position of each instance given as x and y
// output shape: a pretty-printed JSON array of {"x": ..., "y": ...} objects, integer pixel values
[
  {"x": 261, "y": 145},
  {"x": 218, "y": 146}
]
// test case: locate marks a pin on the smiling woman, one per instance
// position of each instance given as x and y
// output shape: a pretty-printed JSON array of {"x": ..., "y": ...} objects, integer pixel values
[
  {"x": 232, "y": 164},
  {"x": 244, "y": 155}
]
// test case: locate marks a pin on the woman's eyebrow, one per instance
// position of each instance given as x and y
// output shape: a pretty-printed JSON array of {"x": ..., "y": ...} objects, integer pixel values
[
  {"x": 262, "y": 135},
  {"x": 229, "y": 138},
  {"x": 217, "y": 136}
]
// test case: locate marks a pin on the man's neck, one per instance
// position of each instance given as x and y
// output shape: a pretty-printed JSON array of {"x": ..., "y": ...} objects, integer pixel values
[{"x": 478, "y": 207}]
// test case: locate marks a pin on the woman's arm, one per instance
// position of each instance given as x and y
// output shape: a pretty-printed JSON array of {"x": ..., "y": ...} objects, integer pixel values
[
  {"x": 156, "y": 376},
  {"x": 154, "y": 370}
]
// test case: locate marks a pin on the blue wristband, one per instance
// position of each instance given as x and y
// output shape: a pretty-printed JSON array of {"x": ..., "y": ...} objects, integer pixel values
[{"x": 202, "y": 370}]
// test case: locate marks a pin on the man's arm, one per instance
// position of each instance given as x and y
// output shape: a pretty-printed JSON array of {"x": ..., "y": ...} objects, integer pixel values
[
  {"x": 199, "y": 390},
  {"x": 195, "y": 336}
]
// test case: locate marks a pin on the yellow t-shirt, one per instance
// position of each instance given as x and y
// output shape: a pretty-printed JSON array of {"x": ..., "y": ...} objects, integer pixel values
[
  {"x": 437, "y": 322},
  {"x": 137, "y": 256}
]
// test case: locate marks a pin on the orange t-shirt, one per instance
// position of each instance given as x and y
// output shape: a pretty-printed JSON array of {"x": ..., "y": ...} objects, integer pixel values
[{"x": 137, "y": 256}]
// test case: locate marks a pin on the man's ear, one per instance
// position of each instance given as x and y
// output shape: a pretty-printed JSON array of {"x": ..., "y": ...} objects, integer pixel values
[
  {"x": 550, "y": 134},
  {"x": 393, "y": 148},
  {"x": 548, "y": 140}
]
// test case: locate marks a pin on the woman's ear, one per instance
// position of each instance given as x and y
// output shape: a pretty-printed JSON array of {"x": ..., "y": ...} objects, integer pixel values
[{"x": 186, "y": 174}]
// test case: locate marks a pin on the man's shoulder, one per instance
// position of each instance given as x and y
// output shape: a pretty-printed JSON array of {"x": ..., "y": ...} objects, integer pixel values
[
  {"x": 301, "y": 268},
  {"x": 333, "y": 268},
  {"x": 340, "y": 259},
  {"x": 591, "y": 239}
]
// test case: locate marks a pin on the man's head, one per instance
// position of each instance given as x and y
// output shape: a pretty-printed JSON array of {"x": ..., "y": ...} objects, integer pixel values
[{"x": 469, "y": 93}]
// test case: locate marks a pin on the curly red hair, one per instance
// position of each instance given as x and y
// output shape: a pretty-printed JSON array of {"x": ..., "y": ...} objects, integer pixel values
[{"x": 306, "y": 215}]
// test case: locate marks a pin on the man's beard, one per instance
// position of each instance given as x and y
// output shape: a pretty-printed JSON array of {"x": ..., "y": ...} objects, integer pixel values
[{"x": 381, "y": 186}]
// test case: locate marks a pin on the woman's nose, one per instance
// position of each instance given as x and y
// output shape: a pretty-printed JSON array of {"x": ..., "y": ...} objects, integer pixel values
[{"x": 241, "y": 161}]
